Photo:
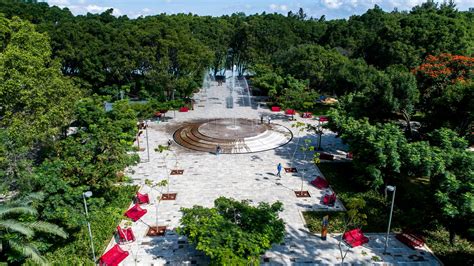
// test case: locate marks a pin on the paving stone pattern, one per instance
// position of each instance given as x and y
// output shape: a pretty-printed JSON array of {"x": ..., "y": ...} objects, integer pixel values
[{"x": 243, "y": 176}]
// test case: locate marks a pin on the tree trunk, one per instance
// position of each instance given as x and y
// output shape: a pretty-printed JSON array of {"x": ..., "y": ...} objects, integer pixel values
[
  {"x": 452, "y": 236},
  {"x": 407, "y": 118}
]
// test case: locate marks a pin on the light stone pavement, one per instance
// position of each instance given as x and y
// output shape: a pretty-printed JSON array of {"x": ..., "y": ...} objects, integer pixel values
[{"x": 242, "y": 176}]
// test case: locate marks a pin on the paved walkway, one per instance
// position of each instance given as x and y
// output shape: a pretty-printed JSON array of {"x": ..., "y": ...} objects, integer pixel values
[{"x": 241, "y": 176}]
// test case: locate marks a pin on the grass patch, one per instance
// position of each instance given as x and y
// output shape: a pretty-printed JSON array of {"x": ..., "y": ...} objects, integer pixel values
[
  {"x": 413, "y": 209},
  {"x": 77, "y": 251},
  {"x": 341, "y": 179},
  {"x": 461, "y": 253}
]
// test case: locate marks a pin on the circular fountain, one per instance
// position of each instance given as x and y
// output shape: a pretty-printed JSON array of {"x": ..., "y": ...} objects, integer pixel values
[{"x": 232, "y": 135}]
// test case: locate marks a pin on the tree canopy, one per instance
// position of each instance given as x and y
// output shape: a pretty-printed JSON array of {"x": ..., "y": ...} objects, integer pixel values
[{"x": 233, "y": 232}]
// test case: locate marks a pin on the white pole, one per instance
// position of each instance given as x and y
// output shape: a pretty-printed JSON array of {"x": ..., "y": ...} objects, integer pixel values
[
  {"x": 89, "y": 227},
  {"x": 391, "y": 188},
  {"x": 147, "y": 146}
]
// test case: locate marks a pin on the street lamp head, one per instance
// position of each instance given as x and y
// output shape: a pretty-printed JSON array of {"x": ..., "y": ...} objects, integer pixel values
[
  {"x": 87, "y": 194},
  {"x": 391, "y": 188}
]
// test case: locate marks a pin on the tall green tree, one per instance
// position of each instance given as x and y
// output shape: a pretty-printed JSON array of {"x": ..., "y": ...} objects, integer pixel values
[
  {"x": 233, "y": 232},
  {"x": 405, "y": 93},
  {"x": 35, "y": 98},
  {"x": 376, "y": 148},
  {"x": 454, "y": 187}
]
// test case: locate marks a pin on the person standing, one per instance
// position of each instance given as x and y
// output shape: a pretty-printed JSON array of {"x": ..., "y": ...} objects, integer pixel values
[
  {"x": 261, "y": 119},
  {"x": 269, "y": 119},
  {"x": 218, "y": 149},
  {"x": 279, "y": 167}
]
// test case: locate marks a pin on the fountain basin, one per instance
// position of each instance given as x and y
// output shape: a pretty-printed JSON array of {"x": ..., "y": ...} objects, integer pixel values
[{"x": 234, "y": 136}]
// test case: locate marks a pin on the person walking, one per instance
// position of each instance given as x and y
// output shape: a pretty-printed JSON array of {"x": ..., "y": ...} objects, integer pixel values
[
  {"x": 269, "y": 119},
  {"x": 261, "y": 119},
  {"x": 279, "y": 167},
  {"x": 218, "y": 149}
]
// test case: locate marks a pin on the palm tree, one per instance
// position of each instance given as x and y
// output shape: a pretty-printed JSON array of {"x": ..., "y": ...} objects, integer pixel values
[{"x": 17, "y": 234}]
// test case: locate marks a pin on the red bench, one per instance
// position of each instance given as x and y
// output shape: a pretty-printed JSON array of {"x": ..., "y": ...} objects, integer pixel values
[
  {"x": 307, "y": 115},
  {"x": 290, "y": 112},
  {"x": 135, "y": 213},
  {"x": 355, "y": 237},
  {"x": 276, "y": 109},
  {"x": 323, "y": 119},
  {"x": 329, "y": 200},
  {"x": 125, "y": 235},
  {"x": 113, "y": 257},
  {"x": 412, "y": 240},
  {"x": 349, "y": 155},
  {"x": 326, "y": 156},
  {"x": 142, "y": 198},
  {"x": 320, "y": 183},
  {"x": 183, "y": 109}
]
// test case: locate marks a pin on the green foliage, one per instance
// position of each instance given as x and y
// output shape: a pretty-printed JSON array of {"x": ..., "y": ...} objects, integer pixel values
[
  {"x": 88, "y": 159},
  {"x": 35, "y": 99},
  {"x": 454, "y": 187},
  {"x": 104, "y": 220},
  {"x": 148, "y": 110},
  {"x": 265, "y": 79},
  {"x": 233, "y": 232},
  {"x": 21, "y": 234},
  {"x": 461, "y": 253},
  {"x": 376, "y": 148},
  {"x": 161, "y": 148},
  {"x": 297, "y": 95},
  {"x": 414, "y": 209},
  {"x": 310, "y": 61}
]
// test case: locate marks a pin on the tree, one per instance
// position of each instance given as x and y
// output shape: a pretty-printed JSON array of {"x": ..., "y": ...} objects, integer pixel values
[
  {"x": 19, "y": 229},
  {"x": 376, "y": 148},
  {"x": 233, "y": 232},
  {"x": 446, "y": 81},
  {"x": 297, "y": 95},
  {"x": 35, "y": 99},
  {"x": 89, "y": 158},
  {"x": 312, "y": 62},
  {"x": 405, "y": 93},
  {"x": 354, "y": 218},
  {"x": 454, "y": 185},
  {"x": 266, "y": 80}
]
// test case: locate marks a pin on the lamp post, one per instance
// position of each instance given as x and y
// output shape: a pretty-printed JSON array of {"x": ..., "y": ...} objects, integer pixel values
[
  {"x": 147, "y": 146},
  {"x": 392, "y": 189},
  {"x": 85, "y": 195}
]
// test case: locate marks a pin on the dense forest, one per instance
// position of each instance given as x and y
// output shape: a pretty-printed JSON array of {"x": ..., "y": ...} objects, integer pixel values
[{"x": 57, "y": 69}]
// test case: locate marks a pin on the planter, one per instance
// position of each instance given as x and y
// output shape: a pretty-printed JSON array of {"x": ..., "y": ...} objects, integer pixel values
[
  {"x": 156, "y": 231},
  {"x": 291, "y": 170},
  {"x": 177, "y": 172},
  {"x": 302, "y": 194},
  {"x": 169, "y": 196}
]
